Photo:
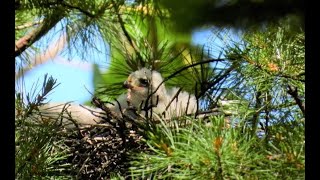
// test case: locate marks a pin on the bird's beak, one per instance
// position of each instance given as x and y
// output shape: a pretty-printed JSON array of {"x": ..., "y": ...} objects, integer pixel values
[{"x": 127, "y": 85}]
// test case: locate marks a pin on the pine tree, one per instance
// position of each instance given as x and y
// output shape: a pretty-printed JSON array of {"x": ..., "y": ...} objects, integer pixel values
[{"x": 250, "y": 119}]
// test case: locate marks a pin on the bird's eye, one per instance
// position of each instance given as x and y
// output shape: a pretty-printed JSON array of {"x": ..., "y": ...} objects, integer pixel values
[{"x": 144, "y": 82}]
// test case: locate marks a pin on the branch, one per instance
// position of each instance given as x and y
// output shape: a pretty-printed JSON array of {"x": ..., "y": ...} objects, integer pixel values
[
  {"x": 279, "y": 74},
  {"x": 26, "y": 41},
  {"x": 23, "y": 43},
  {"x": 217, "y": 80},
  {"x": 173, "y": 98},
  {"x": 29, "y": 24},
  {"x": 293, "y": 91},
  {"x": 50, "y": 53},
  {"x": 267, "y": 117},
  {"x": 129, "y": 39},
  {"x": 255, "y": 118},
  {"x": 291, "y": 77},
  {"x": 189, "y": 66},
  {"x": 185, "y": 68},
  {"x": 87, "y": 13}
]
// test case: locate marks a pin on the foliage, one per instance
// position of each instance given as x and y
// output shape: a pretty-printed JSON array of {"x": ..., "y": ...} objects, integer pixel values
[
  {"x": 40, "y": 148},
  {"x": 271, "y": 65},
  {"x": 188, "y": 14},
  {"x": 263, "y": 96},
  {"x": 208, "y": 151},
  {"x": 146, "y": 41}
]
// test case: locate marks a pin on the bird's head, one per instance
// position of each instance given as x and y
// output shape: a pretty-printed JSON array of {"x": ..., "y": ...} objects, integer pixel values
[{"x": 142, "y": 83}]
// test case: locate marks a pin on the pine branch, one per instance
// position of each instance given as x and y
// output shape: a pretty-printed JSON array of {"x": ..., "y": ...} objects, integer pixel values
[
  {"x": 255, "y": 118},
  {"x": 23, "y": 43},
  {"x": 48, "y": 85},
  {"x": 68, "y": 6},
  {"x": 50, "y": 53},
  {"x": 185, "y": 68},
  {"x": 267, "y": 118},
  {"x": 173, "y": 98},
  {"x": 292, "y": 77},
  {"x": 85, "y": 12},
  {"x": 29, "y": 24},
  {"x": 293, "y": 91},
  {"x": 271, "y": 72},
  {"x": 126, "y": 33},
  {"x": 217, "y": 80},
  {"x": 226, "y": 73}
]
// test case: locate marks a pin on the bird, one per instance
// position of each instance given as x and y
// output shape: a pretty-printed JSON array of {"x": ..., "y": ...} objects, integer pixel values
[{"x": 145, "y": 89}]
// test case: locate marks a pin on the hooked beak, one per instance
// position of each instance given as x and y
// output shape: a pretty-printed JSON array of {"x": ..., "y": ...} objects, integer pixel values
[{"x": 127, "y": 85}]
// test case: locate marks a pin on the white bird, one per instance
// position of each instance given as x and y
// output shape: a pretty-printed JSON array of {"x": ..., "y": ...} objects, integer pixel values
[
  {"x": 144, "y": 83},
  {"x": 140, "y": 84}
]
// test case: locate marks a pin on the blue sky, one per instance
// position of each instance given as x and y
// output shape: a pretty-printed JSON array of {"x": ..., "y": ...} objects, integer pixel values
[
  {"x": 75, "y": 80},
  {"x": 75, "y": 76}
]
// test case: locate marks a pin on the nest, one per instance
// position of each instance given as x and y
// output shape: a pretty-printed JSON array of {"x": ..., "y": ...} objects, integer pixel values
[{"x": 102, "y": 150}]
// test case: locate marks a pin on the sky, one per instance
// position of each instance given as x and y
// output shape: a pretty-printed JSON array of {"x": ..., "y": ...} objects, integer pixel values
[{"x": 75, "y": 77}]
